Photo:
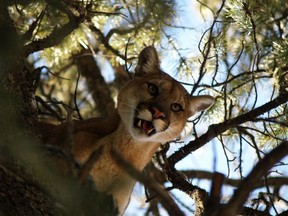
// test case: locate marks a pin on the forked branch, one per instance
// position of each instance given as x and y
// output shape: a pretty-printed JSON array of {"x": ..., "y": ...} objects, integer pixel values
[
  {"x": 217, "y": 129},
  {"x": 247, "y": 185}
]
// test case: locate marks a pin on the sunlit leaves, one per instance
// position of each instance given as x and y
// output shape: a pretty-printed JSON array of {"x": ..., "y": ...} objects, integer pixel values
[
  {"x": 246, "y": 14},
  {"x": 58, "y": 56},
  {"x": 281, "y": 51}
]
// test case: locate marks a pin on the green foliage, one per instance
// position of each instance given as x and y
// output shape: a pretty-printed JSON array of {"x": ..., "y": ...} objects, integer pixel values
[
  {"x": 280, "y": 50},
  {"x": 113, "y": 22},
  {"x": 254, "y": 32}
]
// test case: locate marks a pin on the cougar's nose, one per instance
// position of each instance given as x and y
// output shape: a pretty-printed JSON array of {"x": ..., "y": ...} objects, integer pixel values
[{"x": 157, "y": 114}]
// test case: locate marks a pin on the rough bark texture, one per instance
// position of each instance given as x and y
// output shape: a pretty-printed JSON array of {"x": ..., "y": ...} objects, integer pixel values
[
  {"x": 19, "y": 193},
  {"x": 19, "y": 197}
]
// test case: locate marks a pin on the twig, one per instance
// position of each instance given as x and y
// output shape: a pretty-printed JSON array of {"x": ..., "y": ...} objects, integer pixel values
[
  {"x": 126, "y": 67},
  {"x": 51, "y": 110},
  {"x": 103, "y": 13},
  {"x": 49, "y": 71},
  {"x": 75, "y": 96},
  {"x": 217, "y": 129},
  {"x": 103, "y": 39},
  {"x": 57, "y": 35},
  {"x": 179, "y": 181},
  {"x": 215, "y": 193},
  {"x": 246, "y": 186},
  {"x": 35, "y": 24},
  {"x": 206, "y": 51},
  {"x": 201, "y": 175},
  {"x": 172, "y": 208}
]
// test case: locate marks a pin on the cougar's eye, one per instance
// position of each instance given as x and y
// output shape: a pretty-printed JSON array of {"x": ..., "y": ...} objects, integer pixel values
[
  {"x": 176, "y": 107},
  {"x": 153, "y": 89}
]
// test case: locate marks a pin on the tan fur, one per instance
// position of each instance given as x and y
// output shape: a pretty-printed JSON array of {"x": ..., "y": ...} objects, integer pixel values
[{"x": 152, "y": 96}]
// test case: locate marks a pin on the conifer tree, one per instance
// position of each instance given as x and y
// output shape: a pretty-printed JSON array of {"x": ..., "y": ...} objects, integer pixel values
[{"x": 62, "y": 60}]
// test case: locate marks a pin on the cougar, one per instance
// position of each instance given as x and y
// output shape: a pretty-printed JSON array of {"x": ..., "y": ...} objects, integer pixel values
[{"x": 152, "y": 108}]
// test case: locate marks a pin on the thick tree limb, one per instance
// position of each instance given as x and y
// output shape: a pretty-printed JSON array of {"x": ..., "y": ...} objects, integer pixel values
[
  {"x": 57, "y": 35},
  {"x": 10, "y": 41},
  {"x": 199, "y": 195},
  {"x": 167, "y": 202},
  {"x": 180, "y": 182},
  {"x": 216, "y": 129},
  {"x": 200, "y": 174}
]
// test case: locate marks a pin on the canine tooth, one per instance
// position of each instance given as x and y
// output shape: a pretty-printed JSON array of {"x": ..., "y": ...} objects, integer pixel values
[
  {"x": 139, "y": 123},
  {"x": 150, "y": 131}
]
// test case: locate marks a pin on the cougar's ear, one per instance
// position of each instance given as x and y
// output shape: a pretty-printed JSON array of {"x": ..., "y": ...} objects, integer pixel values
[
  {"x": 200, "y": 103},
  {"x": 148, "y": 62}
]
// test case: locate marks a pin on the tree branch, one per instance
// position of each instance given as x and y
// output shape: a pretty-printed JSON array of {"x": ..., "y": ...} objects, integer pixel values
[
  {"x": 95, "y": 82},
  {"x": 178, "y": 180},
  {"x": 58, "y": 34},
  {"x": 247, "y": 185},
  {"x": 216, "y": 129},
  {"x": 103, "y": 39},
  {"x": 200, "y": 174},
  {"x": 171, "y": 207}
]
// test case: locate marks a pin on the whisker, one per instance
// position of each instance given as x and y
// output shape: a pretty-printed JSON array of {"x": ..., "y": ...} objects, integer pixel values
[
  {"x": 174, "y": 121},
  {"x": 170, "y": 131},
  {"x": 130, "y": 105},
  {"x": 125, "y": 110}
]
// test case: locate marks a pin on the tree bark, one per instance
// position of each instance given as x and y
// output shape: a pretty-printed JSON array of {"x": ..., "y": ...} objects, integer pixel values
[{"x": 96, "y": 84}]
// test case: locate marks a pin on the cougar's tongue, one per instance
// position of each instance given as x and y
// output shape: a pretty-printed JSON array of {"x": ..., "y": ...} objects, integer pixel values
[{"x": 147, "y": 126}]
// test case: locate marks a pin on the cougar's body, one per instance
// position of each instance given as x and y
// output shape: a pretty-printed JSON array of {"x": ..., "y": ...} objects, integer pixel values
[{"x": 152, "y": 109}]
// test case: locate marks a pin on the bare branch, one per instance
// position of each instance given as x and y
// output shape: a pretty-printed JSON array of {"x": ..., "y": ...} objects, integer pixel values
[
  {"x": 103, "y": 39},
  {"x": 200, "y": 174},
  {"x": 247, "y": 185},
  {"x": 217, "y": 129},
  {"x": 179, "y": 181},
  {"x": 206, "y": 51},
  {"x": 28, "y": 34}
]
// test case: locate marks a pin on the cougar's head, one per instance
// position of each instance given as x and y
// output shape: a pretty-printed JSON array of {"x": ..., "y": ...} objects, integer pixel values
[{"x": 153, "y": 106}]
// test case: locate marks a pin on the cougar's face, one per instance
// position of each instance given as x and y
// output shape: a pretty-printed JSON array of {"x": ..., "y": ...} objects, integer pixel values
[{"x": 153, "y": 106}]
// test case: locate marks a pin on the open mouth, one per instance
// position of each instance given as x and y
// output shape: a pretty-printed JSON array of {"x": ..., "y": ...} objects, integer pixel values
[{"x": 144, "y": 125}]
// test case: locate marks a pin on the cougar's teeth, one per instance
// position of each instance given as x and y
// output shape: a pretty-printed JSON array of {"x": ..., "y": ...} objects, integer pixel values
[
  {"x": 139, "y": 123},
  {"x": 150, "y": 131},
  {"x": 145, "y": 125}
]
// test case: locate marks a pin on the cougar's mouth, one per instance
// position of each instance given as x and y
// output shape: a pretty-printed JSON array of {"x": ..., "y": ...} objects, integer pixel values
[{"x": 144, "y": 125}]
